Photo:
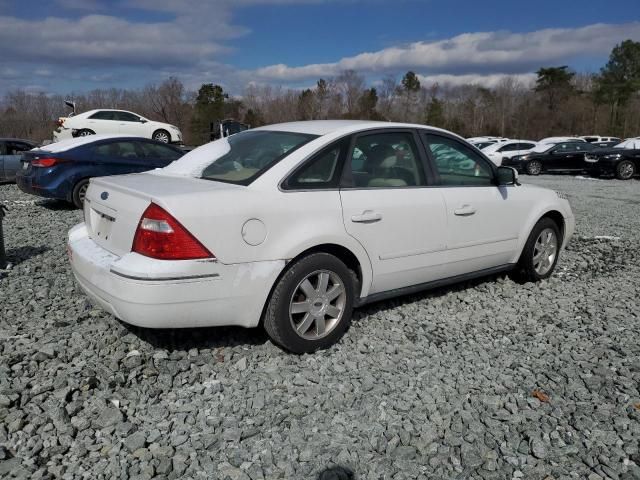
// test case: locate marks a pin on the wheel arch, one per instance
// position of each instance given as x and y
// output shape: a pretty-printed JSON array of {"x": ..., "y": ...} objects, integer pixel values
[
  {"x": 160, "y": 129},
  {"x": 359, "y": 266},
  {"x": 550, "y": 212}
]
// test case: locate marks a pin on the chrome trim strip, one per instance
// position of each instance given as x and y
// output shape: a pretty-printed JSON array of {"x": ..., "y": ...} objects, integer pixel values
[{"x": 164, "y": 279}]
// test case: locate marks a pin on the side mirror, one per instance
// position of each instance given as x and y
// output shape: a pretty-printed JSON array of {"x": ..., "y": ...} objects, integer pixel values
[
  {"x": 143, "y": 120},
  {"x": 507, "y": 176}
]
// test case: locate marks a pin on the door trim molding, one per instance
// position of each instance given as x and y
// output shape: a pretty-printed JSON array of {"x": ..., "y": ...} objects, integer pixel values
[{"x": 376, "y": 297}]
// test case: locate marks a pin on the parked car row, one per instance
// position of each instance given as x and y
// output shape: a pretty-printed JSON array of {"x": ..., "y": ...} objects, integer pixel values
[{"x": 594, "y": 155}]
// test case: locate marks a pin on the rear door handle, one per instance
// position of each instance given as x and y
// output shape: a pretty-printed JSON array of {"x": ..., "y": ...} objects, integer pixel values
[
  {"x": 367, "y": 216},
  {"x": 465, "y": 211}
]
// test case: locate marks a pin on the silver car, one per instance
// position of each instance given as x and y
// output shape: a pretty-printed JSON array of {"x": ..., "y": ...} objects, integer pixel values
[{"x": 11, "y": 150}]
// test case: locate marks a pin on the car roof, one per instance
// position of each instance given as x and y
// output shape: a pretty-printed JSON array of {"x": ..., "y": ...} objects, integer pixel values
[
  {"x": 325, "y": 127},
  {"x": 64, "y": 145}
]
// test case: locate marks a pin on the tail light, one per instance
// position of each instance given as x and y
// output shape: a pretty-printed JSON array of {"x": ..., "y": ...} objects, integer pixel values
[
  {"x": 60, "y": 122},
  {"x": 161, "y": 236},
  {"x": 45, "y": 162}
]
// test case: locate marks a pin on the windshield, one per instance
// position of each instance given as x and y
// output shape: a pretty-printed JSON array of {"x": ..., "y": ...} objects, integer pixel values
[{"x": 251, "y": 153}]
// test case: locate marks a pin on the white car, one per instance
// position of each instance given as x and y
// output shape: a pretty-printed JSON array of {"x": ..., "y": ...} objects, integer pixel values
[
  {"x": 296, "y": 224},
  {"x": 497, "y": 151},
  {"x": 106, "y": 121},
  {"x": 599, "y": 139},
  {"x": 550, "y": 140}
]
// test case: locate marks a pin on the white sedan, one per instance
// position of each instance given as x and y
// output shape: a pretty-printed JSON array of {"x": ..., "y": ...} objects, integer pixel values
[
  {"x": 497, "y": 151},
  {"x": 108, "y": 121},
  {"x": 296, "y": 224}
]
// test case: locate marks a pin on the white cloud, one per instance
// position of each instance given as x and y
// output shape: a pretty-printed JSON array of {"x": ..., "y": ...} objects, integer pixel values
[{"x": 482, "y": 52}]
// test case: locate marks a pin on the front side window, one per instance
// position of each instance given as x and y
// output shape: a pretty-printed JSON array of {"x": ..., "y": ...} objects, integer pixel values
[
  {"x": 126, "y": 117},
  {"x": 384, "y": 160},
  {"x": 526, "y": 146},
  {"x": 103, "y": 115},
  {"x": 322, "y": 171},
  {"x": 509, "y": 148},
  {"x": 458, "y": 164},
  {"x": 251, "y": 153},
  {"x": 119, "y": 150}
]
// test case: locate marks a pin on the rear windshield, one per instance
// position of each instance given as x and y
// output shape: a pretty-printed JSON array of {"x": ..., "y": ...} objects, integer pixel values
[{"x": 252, "y": 153}]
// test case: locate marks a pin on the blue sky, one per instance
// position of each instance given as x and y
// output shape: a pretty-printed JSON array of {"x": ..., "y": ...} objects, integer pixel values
[{"x": 79, "y": 45}]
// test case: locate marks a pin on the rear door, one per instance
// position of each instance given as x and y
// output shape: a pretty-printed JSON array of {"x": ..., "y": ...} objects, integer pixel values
[
  {"x": 482, "y": 220},
  {"x": 118, "y": 157},
  {"x": 103, "y": 121},
  {"x": 389, "y": 207},
  {"x": 564, "y": 156}
]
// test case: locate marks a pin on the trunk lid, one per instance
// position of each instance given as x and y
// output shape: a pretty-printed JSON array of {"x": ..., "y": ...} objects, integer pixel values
[{"x": 115, "y": 204}]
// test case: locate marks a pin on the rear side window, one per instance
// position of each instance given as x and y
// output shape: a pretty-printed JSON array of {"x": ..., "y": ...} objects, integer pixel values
[
  {"x": 153, "y": 150},
  {"x": 119, "y": 150},
  {"x": 103, "y": 115},
  {"x": 253, "y": 152},
  {"x": 457, "y": 164},
  {"x": 321, "y": 171},
  {"x": 386, "y": 160}
]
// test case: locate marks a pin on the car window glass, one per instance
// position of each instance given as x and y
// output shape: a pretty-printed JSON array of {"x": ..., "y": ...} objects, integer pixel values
[
  {"x": 119, "y": 150},
  {"x": 526, "y": 146},
  {"x": 126, "y": 117},
  {"x": 457, "y": 164},
  {"x": 102, "y": 115},
  {"x": 16, "y": 148},
  {"x": 384, "y": 160},
  {"x": 154, "y": 150},
  {"x": 581, "y": 147},
  {"x": 322, "y": 171},
  {"x": 251, "y": 153}
]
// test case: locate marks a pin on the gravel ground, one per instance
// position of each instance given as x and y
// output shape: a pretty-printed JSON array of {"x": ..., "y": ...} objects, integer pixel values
[{"x": 490, "y": 379}]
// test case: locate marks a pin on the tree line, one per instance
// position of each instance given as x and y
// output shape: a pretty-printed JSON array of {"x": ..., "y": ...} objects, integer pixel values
[{"x": 561, "y": 102}]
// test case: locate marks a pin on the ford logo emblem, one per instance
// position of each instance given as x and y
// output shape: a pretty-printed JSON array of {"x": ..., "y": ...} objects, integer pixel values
[{"x": 104, "y": 195}]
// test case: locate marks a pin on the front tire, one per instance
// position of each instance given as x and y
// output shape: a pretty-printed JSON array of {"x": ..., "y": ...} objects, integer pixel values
[
  {"x": 534, "y": 167},
  {"x": 625, "y": 170},
  {"x": 79, "y": 193},
  {"x": 85, "y": 132},
  {"x": 161, "y": 136},
  {"x": 540, "y": 254},
  {"x": 311, "y": 305}
]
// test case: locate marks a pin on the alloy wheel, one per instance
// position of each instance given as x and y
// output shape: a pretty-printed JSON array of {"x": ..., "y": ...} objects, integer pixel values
[
  {"x": 545, "y": 251},
  {"x": 82, "y": 192},
  {"x": 161, "y": 137},
  {"x": 625, "y": 171},
  {"x": 317, "y": 304}
]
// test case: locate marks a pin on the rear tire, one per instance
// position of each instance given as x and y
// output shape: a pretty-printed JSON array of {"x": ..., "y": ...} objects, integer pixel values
[
  {"x": 161, "y": 136},
  {"x": 311, "y": 305},
  {"x": 534, "y": 167},
  {"x": 540, "y": 254},
  {"x": 625, "y": 170},
  {"x": 79, "y": 192}
]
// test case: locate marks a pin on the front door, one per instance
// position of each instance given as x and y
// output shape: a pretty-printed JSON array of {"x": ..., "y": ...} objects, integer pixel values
[
  {"x": 389, "y": 207},
  {"x": 483, "y": 220}
]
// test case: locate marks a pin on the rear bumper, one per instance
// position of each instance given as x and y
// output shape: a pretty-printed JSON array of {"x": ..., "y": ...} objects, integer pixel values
[
  {"x": 224, "y": 295},
  {"x": 27, "y": 183}
]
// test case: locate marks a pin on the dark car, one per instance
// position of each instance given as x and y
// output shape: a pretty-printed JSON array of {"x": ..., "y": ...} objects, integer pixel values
[
  {"x": 622, "y": 161},
  {"x": 558, "y": 157},
  {"x": 11, "y": 150},
  {"x": 62, "y": 170}
]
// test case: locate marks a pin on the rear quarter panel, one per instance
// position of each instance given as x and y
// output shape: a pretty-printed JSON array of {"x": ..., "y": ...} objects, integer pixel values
[{"x": 293, "y": 222}]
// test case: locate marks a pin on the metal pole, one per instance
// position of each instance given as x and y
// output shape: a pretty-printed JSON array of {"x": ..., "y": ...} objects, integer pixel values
[{"x": 3, "y": 256}]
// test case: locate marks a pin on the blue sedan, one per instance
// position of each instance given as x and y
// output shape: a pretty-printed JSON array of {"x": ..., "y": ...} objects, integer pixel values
[{"x": 62, "y": 170}]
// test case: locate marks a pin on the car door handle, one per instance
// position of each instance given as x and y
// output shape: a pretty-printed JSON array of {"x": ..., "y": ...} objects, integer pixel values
[
  {"x": 367, "y": 216},
  {"x": 465, "y": 211}
]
